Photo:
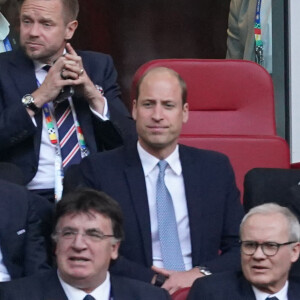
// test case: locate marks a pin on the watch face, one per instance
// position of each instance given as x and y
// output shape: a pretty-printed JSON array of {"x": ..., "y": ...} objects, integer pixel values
[{"x": 27, "y": 99}]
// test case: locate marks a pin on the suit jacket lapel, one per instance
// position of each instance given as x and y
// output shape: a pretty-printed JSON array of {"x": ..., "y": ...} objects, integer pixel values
[
  {"x": 294, "y": 289},
  {"x": 23, "y": 75},
  {"x": 119, "y": 290},
  {"x": 193, "y": 192},
  {"x": 51, "y": 287},
  {"x": 245, "y": 289},
  {"x": 138, "y": 192}
]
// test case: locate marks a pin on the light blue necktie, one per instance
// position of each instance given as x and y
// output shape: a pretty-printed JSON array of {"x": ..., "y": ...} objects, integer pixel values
[
  {"x": 89, "y": 297},
  {"x": 167, "y": 226}
]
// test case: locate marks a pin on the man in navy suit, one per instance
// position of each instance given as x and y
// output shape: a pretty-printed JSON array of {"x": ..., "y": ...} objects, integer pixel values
[
  {"x": 22, "y": 248},
  {"x": 201, "y": 184},
  {"x": 29, "y": 131},
  {"x": 88, "y": 231},
  {"x": 270, "y": 236}
]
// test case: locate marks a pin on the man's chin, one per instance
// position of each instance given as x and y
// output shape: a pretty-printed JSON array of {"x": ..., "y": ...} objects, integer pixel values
[{"x": 33, "y": 55}]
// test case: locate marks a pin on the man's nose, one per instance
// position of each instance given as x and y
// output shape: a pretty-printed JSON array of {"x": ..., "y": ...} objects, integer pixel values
[
  {"x": 34, "y": 29},
  {"x": 157, "y": 112},
  {"x": 259, "y": 254},
  {"x": 79, "y": 241}
]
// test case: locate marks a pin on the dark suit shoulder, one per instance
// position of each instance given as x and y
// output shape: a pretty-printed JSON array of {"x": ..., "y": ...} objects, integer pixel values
[
  {"x": 13, "y": 55},
  {"x": 206, "y": 154},
  {"x": 221, "y": 286},
  {"x": 6, "y": 55},
  {"x": 92, "y": 60},
  {"x": 44, "y": 285},
  {"x": 113, "y": 157},
  {"x": 127, "y": 288},
  {"x": 294, "y": 287},
  {"x": 93, "y": 54}
]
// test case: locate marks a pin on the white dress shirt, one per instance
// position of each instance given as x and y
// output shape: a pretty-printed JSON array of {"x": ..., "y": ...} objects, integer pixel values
[
  {"x": 4, "y": 31},
  {"x": 45, "y": 176},
  {"x": 266, "y": 32},
  {"x": 175, "y": 184},
  {"x": 4, "y": 275},
  {"x": 102, "y": 292},
  {"x": 281, "y": 295}
]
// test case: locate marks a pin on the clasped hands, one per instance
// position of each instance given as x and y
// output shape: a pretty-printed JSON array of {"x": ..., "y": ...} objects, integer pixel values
[
  {"x": 178, "y": 280},
  {"x": 68, "y": 70}
]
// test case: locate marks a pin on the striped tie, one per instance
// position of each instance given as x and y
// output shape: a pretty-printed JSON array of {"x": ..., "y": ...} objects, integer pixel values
[{"x": 67, "y": 135}]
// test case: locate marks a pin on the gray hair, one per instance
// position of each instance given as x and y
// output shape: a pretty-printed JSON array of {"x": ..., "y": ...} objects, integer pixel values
[{"x": 272, "y": 208}]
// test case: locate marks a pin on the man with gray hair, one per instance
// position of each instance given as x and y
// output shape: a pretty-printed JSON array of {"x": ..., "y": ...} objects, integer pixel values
[{"x": 269, "y": 245}]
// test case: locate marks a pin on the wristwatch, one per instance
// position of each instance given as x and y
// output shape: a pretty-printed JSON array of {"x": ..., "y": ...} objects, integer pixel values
[
  {"x": 203, "y": 270},
  {"x": 160, "y": 280},
  {"x": 28, "y": 102}
]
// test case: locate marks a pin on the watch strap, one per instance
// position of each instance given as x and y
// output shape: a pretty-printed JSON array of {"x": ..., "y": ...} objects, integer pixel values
[{"x": 160, "y": 280}]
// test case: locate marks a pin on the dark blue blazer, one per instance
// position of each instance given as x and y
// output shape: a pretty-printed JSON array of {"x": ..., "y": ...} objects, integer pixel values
[
  {"x": 213, "y": 204},
  {"x": 232, "y": 286},
  {"x": 46, "y": 286},
  {"x": 20, "y": 139},
  {"x": 21, "y": 242}
]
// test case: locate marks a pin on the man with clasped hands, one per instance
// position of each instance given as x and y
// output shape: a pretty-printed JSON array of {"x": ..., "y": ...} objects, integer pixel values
[{"x": 33, "y": 77}]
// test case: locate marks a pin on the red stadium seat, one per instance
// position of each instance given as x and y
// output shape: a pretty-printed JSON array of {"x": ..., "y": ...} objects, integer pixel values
[
  {"x": 245, "y": 152},
  {"x": 181, "y": 294}
]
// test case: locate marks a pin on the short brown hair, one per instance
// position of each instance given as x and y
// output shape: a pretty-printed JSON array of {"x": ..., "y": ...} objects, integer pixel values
[
  {"x": 171, "y": 71},
  {"x": 70, "y": 9}
]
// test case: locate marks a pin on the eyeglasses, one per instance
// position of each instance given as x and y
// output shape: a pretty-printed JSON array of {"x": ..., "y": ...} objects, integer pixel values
[
  {"x": 89, "y": 235},
  {"x": 268, "y": 248}
]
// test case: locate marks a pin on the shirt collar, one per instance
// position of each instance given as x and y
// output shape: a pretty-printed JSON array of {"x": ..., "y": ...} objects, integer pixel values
[
  {"x": 39, "y": 65},
  {"x": 101, "y": 292},
  {"x": 4, "y": 27},
  {"x": 281, "y": 295},
  {"x": 149, "y": 161}
]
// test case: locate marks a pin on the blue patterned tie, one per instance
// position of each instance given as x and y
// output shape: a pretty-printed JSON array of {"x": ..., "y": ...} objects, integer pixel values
[
  {"x": 167, "y": 226},
  {"x": 89, "y": 297},
  {"x": 272, "y": 298},
  {"x": 67, "y": 134}
]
